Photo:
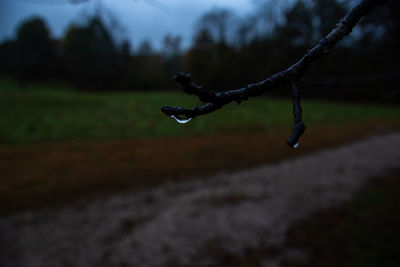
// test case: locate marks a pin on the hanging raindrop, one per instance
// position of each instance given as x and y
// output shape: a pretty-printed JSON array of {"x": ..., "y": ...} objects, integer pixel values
[
  {"x": 183, "y": 121},
  {"x": 296, "y": 145}
]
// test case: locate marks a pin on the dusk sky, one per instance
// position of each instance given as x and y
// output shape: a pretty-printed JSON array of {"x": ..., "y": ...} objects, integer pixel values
[{"x": 141, "y": 19}]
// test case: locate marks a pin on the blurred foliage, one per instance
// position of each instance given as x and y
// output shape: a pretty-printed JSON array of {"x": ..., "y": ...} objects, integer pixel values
[{"x": 227, "y": 51}]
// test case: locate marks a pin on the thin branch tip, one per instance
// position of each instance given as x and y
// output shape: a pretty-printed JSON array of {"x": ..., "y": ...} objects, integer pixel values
[
  {"x": 297, "y": 131},
  {"x": 299, "y": 126}
]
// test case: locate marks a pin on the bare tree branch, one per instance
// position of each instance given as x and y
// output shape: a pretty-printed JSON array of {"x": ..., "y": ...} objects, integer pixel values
[{"x": 293, "y": 74}]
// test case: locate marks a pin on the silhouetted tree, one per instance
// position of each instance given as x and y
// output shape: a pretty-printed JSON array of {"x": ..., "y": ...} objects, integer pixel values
[
  {"x": 217, "y": 23},
  {"x": 91, "y": 54},
  {"x": 8, "y": 57},
  {"x": 145, "y": 48},
  {"x": 125, "y": 50},
  {"x": 246, "y": 31},
  {"x": 203, "y": 39},
  {"x": 171, "y": 51},
  {"x": 225, "y": 51},
  {"x": 171, "y": 44},
  {"x": 385, "y": 21},
  {"x": 34, "y": 51},
  {"x": 297, "y": 30},
  {"x": 326, "y": 14}
]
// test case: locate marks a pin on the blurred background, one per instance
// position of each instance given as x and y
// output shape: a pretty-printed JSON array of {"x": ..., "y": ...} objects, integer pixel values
[{"x": 82, "y": 83}]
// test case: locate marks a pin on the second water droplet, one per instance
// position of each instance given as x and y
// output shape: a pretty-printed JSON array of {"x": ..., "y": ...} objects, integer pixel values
[{"x": 296, "y": 145}]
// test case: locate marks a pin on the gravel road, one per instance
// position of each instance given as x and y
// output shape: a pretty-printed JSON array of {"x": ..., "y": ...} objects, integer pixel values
[{"x": 175, "y": 224}]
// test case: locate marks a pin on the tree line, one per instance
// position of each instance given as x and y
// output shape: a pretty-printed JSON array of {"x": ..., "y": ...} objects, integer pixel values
[{"x": 227, "y": 52}]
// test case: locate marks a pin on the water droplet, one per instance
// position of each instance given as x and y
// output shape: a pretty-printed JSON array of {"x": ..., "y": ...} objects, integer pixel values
[
  {"x": 296, "y": 145},
  {"x": 181, "y": 120}
]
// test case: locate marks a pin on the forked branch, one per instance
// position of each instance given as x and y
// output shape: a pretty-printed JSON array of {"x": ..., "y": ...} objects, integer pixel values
[{"x": 293, "y": 74}]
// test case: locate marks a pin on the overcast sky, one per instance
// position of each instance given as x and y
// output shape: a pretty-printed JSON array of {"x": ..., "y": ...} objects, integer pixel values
[{"x": 141, "y": 19}]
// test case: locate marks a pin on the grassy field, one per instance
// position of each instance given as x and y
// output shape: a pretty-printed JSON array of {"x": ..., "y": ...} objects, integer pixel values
[
  {"x": 54, "y": 112},
  {"x": 58, "y": 144}
]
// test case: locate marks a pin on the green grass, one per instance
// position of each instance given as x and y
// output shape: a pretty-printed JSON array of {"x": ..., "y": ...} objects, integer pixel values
[{"x": 54, "y": 112}]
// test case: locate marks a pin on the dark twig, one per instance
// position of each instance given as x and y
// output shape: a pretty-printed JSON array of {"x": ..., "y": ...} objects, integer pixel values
[
  {"x": 215, "y": 100},
  {"x": 299, "y": 126}
]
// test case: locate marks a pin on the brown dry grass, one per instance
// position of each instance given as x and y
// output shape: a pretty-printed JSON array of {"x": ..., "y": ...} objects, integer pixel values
[{"x": 43, "y": 174}]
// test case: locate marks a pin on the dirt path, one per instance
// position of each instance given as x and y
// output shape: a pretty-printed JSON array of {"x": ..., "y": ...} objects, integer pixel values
[{"x": 181, "y": 224}]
